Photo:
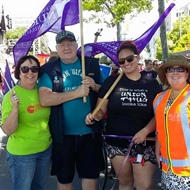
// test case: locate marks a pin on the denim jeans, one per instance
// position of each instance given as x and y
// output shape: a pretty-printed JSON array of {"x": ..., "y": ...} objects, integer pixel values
[{"x": 30, "y": 171}]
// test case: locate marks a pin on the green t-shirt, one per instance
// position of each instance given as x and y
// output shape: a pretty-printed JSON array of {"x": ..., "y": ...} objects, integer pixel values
[{"x": 33, "y": 134}]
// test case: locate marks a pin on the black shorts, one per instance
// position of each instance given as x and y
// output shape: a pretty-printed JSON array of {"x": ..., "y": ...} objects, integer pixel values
[{"x": 80, "y": 152}]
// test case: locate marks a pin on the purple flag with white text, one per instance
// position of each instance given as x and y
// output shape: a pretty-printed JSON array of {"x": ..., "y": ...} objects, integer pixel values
[
  {"x": 110, "y": 48},
  {"x": 8, "y": 81},
  {"x": 53, "y": 18}
]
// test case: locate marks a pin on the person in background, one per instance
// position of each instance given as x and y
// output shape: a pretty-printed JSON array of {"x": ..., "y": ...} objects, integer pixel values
[
  {"x": 172, "y": 114},
  {"x": 104, "y": 60},
  {"x": 156, "y": 65},
  {"x": 130, "y": 113},
  {"x": 53, "y": 56},
  {"x": 140, "y": 65},
  {"x": 63, "y": 88},
  {"x": 115, "y": 69},
  {"x": 26, "y": 123},
  {"x": 148, "y": 70}
]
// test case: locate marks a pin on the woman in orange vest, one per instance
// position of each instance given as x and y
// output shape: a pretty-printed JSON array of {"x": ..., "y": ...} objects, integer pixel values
[{"x": 172, "y": 113}]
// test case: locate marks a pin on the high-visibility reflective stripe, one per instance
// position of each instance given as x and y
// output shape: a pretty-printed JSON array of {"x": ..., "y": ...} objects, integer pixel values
[
  {"x": 185, "y": 122},
  {"x": 177, "y": 163},
  {"x": 186, "y": 131},
  {"x": 158, "y": 101}
]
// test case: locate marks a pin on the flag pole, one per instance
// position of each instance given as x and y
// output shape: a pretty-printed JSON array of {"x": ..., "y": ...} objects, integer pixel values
[
  {"x": 82, "y": 41},
  {"x": 107, "y": 94}
]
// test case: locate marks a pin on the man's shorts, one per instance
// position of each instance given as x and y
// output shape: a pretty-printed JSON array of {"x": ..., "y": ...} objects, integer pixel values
[{"x": 78, "y": 152}]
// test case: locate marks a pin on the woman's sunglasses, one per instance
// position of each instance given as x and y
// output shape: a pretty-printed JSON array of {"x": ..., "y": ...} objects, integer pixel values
[
  {"x": 129, "y": 59},
  {"x": 178, "y": 69},
  {"x": 25, "y": 69}
]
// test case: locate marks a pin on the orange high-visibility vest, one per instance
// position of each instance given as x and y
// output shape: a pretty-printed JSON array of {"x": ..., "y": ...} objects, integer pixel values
[{"x": 173, "y": 127}]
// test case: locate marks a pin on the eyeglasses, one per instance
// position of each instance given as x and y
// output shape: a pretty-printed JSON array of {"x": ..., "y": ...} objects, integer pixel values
[
  {"x": 178, "y": 69},
  {"x": 69, "y": 45},
  {"x": 25, "y": 69},
  {"x": 129, "y": 59}
]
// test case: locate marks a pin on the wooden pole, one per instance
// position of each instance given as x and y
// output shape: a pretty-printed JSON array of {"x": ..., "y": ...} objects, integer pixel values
[
  {"x": 107, "y": 94},
  {"x": 82, "y": 41}
]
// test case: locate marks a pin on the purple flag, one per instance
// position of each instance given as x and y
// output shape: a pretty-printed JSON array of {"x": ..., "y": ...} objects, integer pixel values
[
  {"x": 8, "y": 81},
  {"x": 110, "y": 48},
  {"x": 53, "y": 18}
]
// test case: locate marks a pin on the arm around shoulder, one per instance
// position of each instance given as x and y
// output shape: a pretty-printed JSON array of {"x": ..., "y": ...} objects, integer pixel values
[{"x": 50, "y": 98}]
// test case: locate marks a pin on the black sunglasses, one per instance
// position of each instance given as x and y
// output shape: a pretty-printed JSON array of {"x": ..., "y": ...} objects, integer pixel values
[
  {"x": 129, "y": 59},
  {"x": 25, "y": 69},
  {"x": 178, "y": 69}
]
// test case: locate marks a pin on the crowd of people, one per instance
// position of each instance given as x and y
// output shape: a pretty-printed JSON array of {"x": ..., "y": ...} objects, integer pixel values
[{"x": 56, "y": 114}]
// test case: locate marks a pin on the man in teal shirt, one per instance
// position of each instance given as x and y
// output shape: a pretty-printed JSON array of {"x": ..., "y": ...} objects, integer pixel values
[{"x": 62, "y": 87}]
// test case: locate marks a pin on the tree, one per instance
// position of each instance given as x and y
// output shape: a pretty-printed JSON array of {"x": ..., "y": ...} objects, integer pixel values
[
  {"x": 13, "y": 35},
  {"x": 183, "y": 43},
  {"x": 16, "y": 33},
  {"x": 161, "y": 8},
  {"x": 117, "y": 9},
  {"x": 178, "y": 35},
  {"x": 175, "y": 42}
]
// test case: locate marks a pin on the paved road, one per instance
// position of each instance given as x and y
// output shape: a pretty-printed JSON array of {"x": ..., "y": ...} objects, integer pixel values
[{"x": 5, "y": 179}]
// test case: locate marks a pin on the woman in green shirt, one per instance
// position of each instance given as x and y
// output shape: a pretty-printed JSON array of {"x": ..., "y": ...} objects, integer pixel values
[{"x": 25, "y": 121}]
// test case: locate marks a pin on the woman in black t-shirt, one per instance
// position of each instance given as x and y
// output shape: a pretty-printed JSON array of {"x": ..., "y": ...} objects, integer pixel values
[{"x": 130, "y": 114}]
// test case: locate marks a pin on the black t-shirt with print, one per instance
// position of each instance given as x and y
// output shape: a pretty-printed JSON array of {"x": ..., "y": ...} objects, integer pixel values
[{"x": 130, "y": 106}]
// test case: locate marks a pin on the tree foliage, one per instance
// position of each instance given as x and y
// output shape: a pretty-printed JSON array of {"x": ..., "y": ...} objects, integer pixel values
[
  {"x": 178, "y": 38},
  {"x": 15, "y": 33},
  {"x": 116, "y": 9},
  {"x": 178, "y": 35}
]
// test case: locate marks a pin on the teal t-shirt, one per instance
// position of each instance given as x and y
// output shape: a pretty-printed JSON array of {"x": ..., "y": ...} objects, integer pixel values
[
  {"x": 33, "y": 134},
  {"x": 74, "y": 111}
]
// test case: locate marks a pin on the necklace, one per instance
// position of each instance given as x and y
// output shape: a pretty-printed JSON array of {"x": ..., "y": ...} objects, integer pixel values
[{"x": 168, "y": 104}]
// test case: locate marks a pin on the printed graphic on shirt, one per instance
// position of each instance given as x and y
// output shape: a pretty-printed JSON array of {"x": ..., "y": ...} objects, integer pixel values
[
  {"x": 32, "y": 108},
  {"x": 55, "y": 80},
  {"x": 149, "y": 75},
  {"x": 174, "y": 117},
  {"x": 133, "y": 97},
  {"x": 72, "y": 79}
]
